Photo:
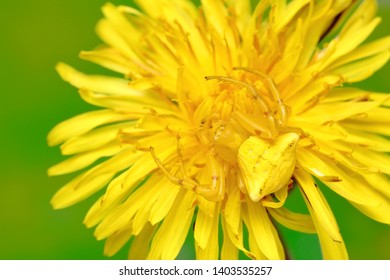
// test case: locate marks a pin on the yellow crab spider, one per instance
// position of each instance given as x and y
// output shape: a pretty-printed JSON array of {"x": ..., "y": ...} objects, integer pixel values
[
  {"x": 214, "y": 191},
  {"x": 267, "y": 165}
]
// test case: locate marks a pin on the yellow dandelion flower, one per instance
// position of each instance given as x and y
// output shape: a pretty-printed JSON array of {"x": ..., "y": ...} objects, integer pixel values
[{"x": 217, "y": 112}]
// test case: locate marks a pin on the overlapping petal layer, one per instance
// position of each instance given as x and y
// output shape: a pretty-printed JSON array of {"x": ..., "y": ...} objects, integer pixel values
[{"x": 171, "y": 147}]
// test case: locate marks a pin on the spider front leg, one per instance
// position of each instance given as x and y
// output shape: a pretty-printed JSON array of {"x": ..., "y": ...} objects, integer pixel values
[
  {"x": 282, "y": 108},
  {"x": 183, "y": 182},
  {"x": 214, "y": 191}
]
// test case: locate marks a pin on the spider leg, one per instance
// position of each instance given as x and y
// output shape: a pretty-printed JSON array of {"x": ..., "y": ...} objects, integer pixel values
[
  {"x": 186, "y": 183},
  {"x": 214, "y": 191},
  {"x": 264, "y": 106},
  {"x": 282, "y": 108}
]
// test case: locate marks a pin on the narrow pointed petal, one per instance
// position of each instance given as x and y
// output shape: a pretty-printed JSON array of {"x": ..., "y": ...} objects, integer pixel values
[
  {"x": 171, "y": 234},
  {"x": 321, "y": 210},
  {"x": 83, "y": 123},
  {"x": 140, "y": 244},
  {"x": 83, "y": 160},
  {"x": 331, "y": 249},
  {"x": 238, "y": 241},
  {"x": 211, "y": 249},
  {"x": 204, "y": 223},
  {"x": 229, "y": 250},
  {"x": 232, "y": 211},
  {"x": 294, "y": 221},
  {"x": 116, "y": 241},
  {"x": 266, "y": 235},
  {"x": 117, "y": 192}
]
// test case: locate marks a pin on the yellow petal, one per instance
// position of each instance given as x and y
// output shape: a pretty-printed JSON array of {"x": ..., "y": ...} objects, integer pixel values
[
  {"x": 122, "y": 215},
  {"x": 254, "y": 124},
  {"x": 369, "y": 140},
  {"x": 331, "y": 249},
  {"x": 328, "y": 132},
  {"x": 232, "y": 210},
  {"x": 344, "y": 158},
  {"x": 321, "y": 15},
  {"x": 278, "y": 10},
  {"x": 204, "y": 222},
  {"x": 108, "y": 58},
  {"x": 374, "y": 127},
  {"x": 356, "y": 24},
  {"x": 367, "y": 50},
  {"x": 255, "y": 250},
  {"x": 228, "y": 251},
  {"x": 344, "y": 184},
  {"x": 321, "y": 210},
  {"x": 313, "y": 90},
  {"x": 143, "y": 214},
  {"x": 88, "y": 182},
  {"x": 181, "y": 10},
  {"x": 379, "y": 213},
  {"x": 122, "y": 25},
  {"x": 242, "y": 10},
  {"x": 171, "y": 235},
  {"x": 140, "y": 245},
  {"x": 109, "y": 34},
  {"x": 379, "y": 182},
  {"x": 384, "y": 97},
  {"x": 125, "y": 104},
  {"x": 378, "y": 160},
  {"x": 183, "y": 17},
  {"x": 119, "y": 31},
  {"x": 266, "y": 235},
  {"x": 74, "y": 192},
  {"x": 217, "y": 17},
  {"x": 117, "y": 192},
  {"x": 346, "y": 94},
  {"x": 376, "y": 186},
  {"x": 372, "y": 187},
  {"x": 252, "y": 26},
  {"x": 210, "y": 251},
  {"x": 347, "y": 41},
  {"x": 93, "y": 139},
  {"x": 362, "y": 69},
  {"x": 83, "y": 123},
  {"x": 336, "y": 111},
  {"x": 203, "y": 111},
  {"x": 376, "y": 115},
  {"x": 98, "y": 83},
  {"x": 285, "y": 66},
  {"x": 116, "y": 241},
  {"x": 277, "y": 201},
  {"x": 291, "y": 220},
  {"x": 376, "y": 120},
  {"x": 163, "y": 203},
  {"x": 85, "y": 159},
  {"x": 237, "y": 241},
  {"x": 91, "y": 218},
  {"x": 288, "y": 13}
]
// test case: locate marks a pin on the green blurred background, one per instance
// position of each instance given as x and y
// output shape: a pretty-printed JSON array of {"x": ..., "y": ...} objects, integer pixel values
[{"x": 35, "y": 35}]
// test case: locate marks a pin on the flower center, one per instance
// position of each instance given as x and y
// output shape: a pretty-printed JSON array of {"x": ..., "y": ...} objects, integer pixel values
[
  {"x": 237, "y": 108},
  {"x": 239, "y": 132}
]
